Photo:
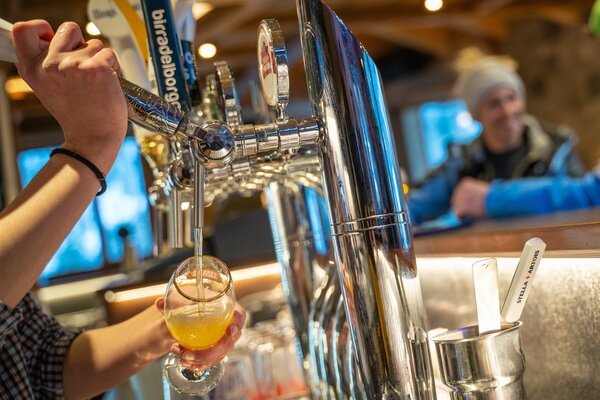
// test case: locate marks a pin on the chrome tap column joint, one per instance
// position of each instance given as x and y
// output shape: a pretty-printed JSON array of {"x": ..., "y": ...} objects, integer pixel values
[
  {"x": 215, "y": 142},
  {"x": 279, "y": 136}
]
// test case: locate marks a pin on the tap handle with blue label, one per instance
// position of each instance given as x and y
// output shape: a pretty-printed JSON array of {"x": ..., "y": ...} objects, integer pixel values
[
  {"x": 188, "y": 31},
  {"x": 165, "y": 50}
]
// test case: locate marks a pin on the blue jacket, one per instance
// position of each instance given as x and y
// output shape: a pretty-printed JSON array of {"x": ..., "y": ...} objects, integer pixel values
[
  {"x": 550, "y": 153},
  {"x": 542, "y": 195}
]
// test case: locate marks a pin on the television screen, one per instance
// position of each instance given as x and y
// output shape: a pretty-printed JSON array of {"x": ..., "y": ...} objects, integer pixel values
[
  {"x": 95, "y": 239},
  {"x": 125, "y": 205},
  {"x": 444, "y": 123},
  {"x": 428, "y": 131}
]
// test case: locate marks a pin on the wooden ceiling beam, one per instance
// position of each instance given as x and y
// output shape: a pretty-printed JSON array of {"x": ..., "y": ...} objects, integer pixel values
[
  {"x": 472, "y": 21},
  {"x": 440, "y": 35},
  {"x": 481, "y": 28},
  {"x": 237, "y": 22},
  {"x": 489, "y": 6},
  {"x": 229, "y": 23},
  {"x": 435, "y": 42},
  {"x": 517, "y": 11}
]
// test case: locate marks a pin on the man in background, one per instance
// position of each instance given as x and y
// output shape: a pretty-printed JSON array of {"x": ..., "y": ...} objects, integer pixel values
[{"x": 512, "y": 145}]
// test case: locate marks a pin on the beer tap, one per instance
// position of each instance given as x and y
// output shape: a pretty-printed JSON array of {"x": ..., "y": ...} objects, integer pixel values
[{"x": 349, "y": 135}]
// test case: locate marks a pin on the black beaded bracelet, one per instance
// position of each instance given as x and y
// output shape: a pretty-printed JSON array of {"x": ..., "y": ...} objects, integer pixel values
[{"x": 87, "y": 163}]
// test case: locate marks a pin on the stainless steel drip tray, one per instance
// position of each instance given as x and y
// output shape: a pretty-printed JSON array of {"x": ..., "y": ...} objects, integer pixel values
[{"x": 560, "y": 321}]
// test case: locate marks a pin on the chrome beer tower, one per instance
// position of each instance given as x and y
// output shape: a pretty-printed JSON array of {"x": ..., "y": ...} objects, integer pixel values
[{"x": 335, "y": 203}]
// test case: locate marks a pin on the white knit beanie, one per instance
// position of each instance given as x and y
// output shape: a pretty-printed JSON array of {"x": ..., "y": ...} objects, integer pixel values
[{"x": 474, "y": 83}]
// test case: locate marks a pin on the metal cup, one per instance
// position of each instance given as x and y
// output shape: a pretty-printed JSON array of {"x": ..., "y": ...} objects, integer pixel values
[{"x": 482, "y": 367}]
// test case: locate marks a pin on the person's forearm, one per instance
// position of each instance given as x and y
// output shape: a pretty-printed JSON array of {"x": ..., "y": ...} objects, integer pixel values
[
  {"x": 35, "y": 224},
  {"x": 102, "y": 358},
  {"x": 543, "y": 195}
]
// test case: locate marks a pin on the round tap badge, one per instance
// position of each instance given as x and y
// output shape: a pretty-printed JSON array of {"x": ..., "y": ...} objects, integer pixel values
[
  {"x": 272, "y": 63},
  {"x": 227, "y": 97}
]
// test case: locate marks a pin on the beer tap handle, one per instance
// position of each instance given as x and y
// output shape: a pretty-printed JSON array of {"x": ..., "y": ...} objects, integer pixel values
[
  {"x": 150, "y": 111},
  {"x": 273, "y": 68},
  {"x": 226, "y": 94}
]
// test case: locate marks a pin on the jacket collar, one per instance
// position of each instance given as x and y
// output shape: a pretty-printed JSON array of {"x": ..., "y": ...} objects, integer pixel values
[{"x": 539, "y": 143}]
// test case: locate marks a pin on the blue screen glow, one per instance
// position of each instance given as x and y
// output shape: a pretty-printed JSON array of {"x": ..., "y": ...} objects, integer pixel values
[
  {"x": 125, "y": 205},
  {"x": 94, "y": 240},
  {"x": 444, "y": 123}
]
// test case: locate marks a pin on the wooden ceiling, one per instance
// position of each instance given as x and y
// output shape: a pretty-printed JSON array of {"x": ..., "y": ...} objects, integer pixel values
[{"x": 383, "y": 26}]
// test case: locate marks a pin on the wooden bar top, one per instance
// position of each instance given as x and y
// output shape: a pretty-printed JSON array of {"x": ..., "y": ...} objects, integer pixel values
[{"x": 562, "y": 232}]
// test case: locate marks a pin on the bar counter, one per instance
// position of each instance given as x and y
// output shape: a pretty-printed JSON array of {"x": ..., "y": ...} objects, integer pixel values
[
  {"x": 563, "y": 232},
  {"x": 560, "y": 323}
]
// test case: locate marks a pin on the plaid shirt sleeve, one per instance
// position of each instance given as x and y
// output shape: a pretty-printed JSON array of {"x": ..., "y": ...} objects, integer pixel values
[{"x": 33, "y": 346}]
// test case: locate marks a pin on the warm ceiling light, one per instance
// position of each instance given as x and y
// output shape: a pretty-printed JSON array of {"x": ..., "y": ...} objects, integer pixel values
[
  {"x": 200, "y": 9},
  {"x": 207, "y": 50},
  {"x": 434, "y": 5},
  {"x": 17, "y": 88},
  {"x": 92, "y": 29}
]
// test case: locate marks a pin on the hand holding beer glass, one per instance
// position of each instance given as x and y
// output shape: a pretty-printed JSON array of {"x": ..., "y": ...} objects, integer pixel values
[{"x": 199, "y": 310}]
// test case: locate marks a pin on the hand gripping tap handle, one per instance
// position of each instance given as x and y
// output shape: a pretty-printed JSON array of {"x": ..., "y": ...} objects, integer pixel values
[
  {"x": 144, "y": 108},
  {"x": 211, "y": 142},
  {"x": 151, "y": 111}
]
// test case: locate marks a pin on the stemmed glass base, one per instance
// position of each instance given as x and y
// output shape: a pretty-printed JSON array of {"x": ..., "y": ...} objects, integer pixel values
[{"x": 188, "y": 381}]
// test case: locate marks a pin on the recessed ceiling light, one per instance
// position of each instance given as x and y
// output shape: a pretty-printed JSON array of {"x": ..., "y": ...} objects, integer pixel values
[
  {"x": 434, "y": 5},
  {"x": 207, "y": 50}
]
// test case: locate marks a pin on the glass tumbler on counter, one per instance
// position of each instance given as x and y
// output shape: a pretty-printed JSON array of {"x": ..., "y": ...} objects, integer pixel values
[
  {"x": 199, "y": 306},
  {"x": 277, "y": 367},
  {"x": 238, "y": 382}
]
